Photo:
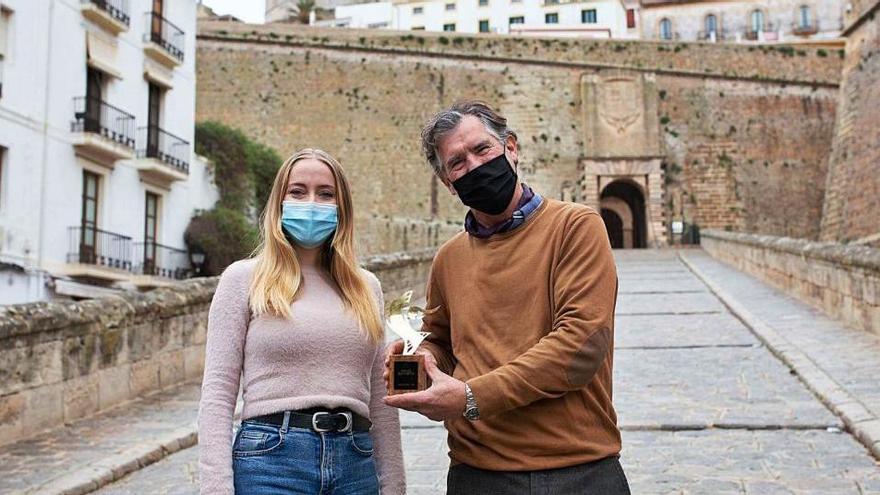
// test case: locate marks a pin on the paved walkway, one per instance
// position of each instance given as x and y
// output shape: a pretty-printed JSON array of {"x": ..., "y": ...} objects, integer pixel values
[{"x": 704, "y": 404}]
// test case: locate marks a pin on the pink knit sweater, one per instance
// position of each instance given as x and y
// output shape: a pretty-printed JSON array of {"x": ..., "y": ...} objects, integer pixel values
[{"x": 318, "y": 358}]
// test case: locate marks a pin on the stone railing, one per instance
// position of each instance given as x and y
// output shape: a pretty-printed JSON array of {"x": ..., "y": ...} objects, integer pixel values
[
  {"x": 400, "y": 272},
  {"x": 64, "y": 361},
  {"x": 841, "y": 280}
]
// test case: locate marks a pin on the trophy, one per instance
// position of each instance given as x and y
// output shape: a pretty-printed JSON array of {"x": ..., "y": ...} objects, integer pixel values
[{"x": 407, "y": 371}]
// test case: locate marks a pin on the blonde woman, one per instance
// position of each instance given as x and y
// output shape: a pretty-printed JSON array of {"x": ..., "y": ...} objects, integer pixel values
[{"x": 301, "y": 325}]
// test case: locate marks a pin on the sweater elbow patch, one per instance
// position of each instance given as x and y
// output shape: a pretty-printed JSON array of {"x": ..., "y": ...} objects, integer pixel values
[{"x": 589, "y": 358}]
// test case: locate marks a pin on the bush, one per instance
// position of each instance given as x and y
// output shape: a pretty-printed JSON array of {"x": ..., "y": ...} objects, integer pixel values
[
  {"x": 243, "y": 172},
  {"x": 224, "y": 235}
]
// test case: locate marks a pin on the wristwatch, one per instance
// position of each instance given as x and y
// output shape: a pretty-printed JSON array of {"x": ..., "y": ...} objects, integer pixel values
[{"x": 471, "y": 411}]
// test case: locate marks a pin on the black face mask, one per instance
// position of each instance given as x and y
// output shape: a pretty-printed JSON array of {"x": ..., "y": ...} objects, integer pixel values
[{"x": 489, "y": 187}]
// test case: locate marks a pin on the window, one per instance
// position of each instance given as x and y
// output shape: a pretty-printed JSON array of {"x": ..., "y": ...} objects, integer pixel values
[
  {"x": 483, "y": 3},
  {"x": 418, "y": 10},
  {"x": 450, "y": 6},
  {"x": 711, "y": 24},
  {"x": 154, "y": 114},
  {"x": 666, "y": 29},
  {"x": 630, "y": 18},
  {"x": 757, "y": 21},
  {"x": 89, "y": 218},
  {"x": 151, "y": 220},
  {"x": 418, "y": 28},
  {"x": 588, "y": 16},
  {"x": 156, "y": 21},
  {"x": 4, "y": 32},
  {"x": 484, "y": 26},
  {"x": 552, "y": 18},
  {"x": 449, "y": 27},
  {"x": 2, "y": 168},
  {"x": 94, "y": 86},
  {"x": 517, "y": 20},
  {"x": 804, "y": 16}
]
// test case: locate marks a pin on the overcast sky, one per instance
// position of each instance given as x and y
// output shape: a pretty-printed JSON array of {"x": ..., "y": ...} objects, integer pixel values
[{"x": 252, "y": 11}]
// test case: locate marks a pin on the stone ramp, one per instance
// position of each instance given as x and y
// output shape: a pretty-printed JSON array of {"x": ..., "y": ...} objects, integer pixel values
[{"x": 839, "y": 364}]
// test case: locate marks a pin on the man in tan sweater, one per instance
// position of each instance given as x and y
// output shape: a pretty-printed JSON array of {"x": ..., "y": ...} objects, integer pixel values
[{"x": 522, "y": 337}]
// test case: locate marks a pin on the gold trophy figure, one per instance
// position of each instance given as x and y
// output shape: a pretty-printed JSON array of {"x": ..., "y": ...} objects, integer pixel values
[{"x": 407, "y": 370}]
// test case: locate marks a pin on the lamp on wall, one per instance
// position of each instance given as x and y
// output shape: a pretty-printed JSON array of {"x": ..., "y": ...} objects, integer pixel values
[{"x": 197, "y": 258}]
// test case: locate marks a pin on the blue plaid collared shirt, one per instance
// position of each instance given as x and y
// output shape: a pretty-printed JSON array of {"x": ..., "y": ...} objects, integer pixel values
[{"x": 529, "y": 202}]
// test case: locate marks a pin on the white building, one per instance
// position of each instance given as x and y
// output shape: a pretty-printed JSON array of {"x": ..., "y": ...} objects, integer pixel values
[
  {"x": 287, "y": 10},
  {"x": 98, "y": 179},
  {"x": 744, "y": 21},
  {"x": 594, "y": 19}
]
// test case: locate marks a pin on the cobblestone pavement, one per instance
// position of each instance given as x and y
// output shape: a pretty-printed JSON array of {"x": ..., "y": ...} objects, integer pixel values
[
  {"x": 849, "y": 356},
  {"x": 87, "y": 451},
  {"x": 704, "y": 406}
]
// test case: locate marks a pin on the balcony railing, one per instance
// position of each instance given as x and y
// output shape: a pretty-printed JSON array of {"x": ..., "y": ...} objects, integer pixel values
[
  {"x": 801, "y": 29},
  {"x": 164, "y": 34},
  {"x": 719, "y": 35},
  {"x": 97, "y": 117},
  {"x": 93, "y": 246},
  {"x": 671, "y": 36},
  {"x": 152, "y": 258},
  {"x": 765, "y": 33},
  {"x": 117, "y": 9},
  {"x": 164, "y": 146}
]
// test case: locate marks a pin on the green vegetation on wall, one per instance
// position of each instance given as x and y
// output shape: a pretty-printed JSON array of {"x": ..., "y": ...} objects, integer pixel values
[{"x": 243, "y": 173}]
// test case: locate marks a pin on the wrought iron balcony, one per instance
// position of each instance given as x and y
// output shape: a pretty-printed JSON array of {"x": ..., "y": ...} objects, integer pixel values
[
  {"x": 93, "y": 246},
  {"x": 801, "y": 29},
  {"x": 768, "y": 32},
  {"x": 720, "y": 35},
  {"x": 95, "y": 116},
  {"x": 152, "y": 258},
  {"x": 671, "y": 36},
  {"x": 166, "y": 35},
  {"x": 165, "y": 147},
  {"x": 117, "y": 9}
]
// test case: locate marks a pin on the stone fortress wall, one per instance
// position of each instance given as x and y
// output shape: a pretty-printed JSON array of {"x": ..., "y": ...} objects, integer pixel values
[
  {"x": 852, "y": 202},
  {"x": 724, "y": 136}
]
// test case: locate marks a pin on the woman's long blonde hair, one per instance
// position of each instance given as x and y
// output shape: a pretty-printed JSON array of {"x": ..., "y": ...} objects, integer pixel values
[{"x": 278, "y": 277}]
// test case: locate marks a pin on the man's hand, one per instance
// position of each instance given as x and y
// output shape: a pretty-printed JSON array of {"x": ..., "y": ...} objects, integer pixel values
[
  {"x": 396, "y": 347},
  {"x": 444, "y": 399}
]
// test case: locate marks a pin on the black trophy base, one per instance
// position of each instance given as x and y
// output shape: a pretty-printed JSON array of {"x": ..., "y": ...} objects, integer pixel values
[{"x": 407, "y": 374}]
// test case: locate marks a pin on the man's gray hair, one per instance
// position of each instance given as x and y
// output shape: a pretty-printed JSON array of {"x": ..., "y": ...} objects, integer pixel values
[{"x": 447, "y": 120}]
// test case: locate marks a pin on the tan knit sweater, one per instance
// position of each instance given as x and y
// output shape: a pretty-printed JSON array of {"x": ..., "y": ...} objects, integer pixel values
[
  {"x": 319, "y": 358},
  {"x": 526, "y": 318}
]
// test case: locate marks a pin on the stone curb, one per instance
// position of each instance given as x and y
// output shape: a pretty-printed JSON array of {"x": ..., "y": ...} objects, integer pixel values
[
  {"x": 119, "y": 464},
  {"x": 858, "y": 419},
  {"x": 125, "y": 461}
]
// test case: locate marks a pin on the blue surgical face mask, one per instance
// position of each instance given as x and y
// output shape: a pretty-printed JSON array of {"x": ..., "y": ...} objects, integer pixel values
[{"x": 308, "y": 224}]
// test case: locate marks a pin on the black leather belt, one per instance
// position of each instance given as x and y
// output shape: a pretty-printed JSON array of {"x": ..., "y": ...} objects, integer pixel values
[{"x": 318, "y": 420}]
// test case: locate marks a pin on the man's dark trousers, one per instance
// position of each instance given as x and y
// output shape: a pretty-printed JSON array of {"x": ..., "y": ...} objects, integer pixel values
[{"x": 602, "y": 477}]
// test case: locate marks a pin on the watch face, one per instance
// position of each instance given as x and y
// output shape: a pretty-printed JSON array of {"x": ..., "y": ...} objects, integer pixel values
[{"x": 472, "y": 413}]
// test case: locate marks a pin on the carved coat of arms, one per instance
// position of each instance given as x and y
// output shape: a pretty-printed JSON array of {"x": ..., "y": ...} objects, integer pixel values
[{"x": 619, "y": 103}]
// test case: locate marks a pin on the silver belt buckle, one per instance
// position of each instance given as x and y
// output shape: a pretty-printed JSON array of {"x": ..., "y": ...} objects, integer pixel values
[
  {"x": 349, "y": 422},
  {"x": 315, "y": 422}
]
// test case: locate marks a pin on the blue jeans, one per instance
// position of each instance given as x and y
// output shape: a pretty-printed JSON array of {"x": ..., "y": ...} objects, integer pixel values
[{"x": 268, "y": 459}]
